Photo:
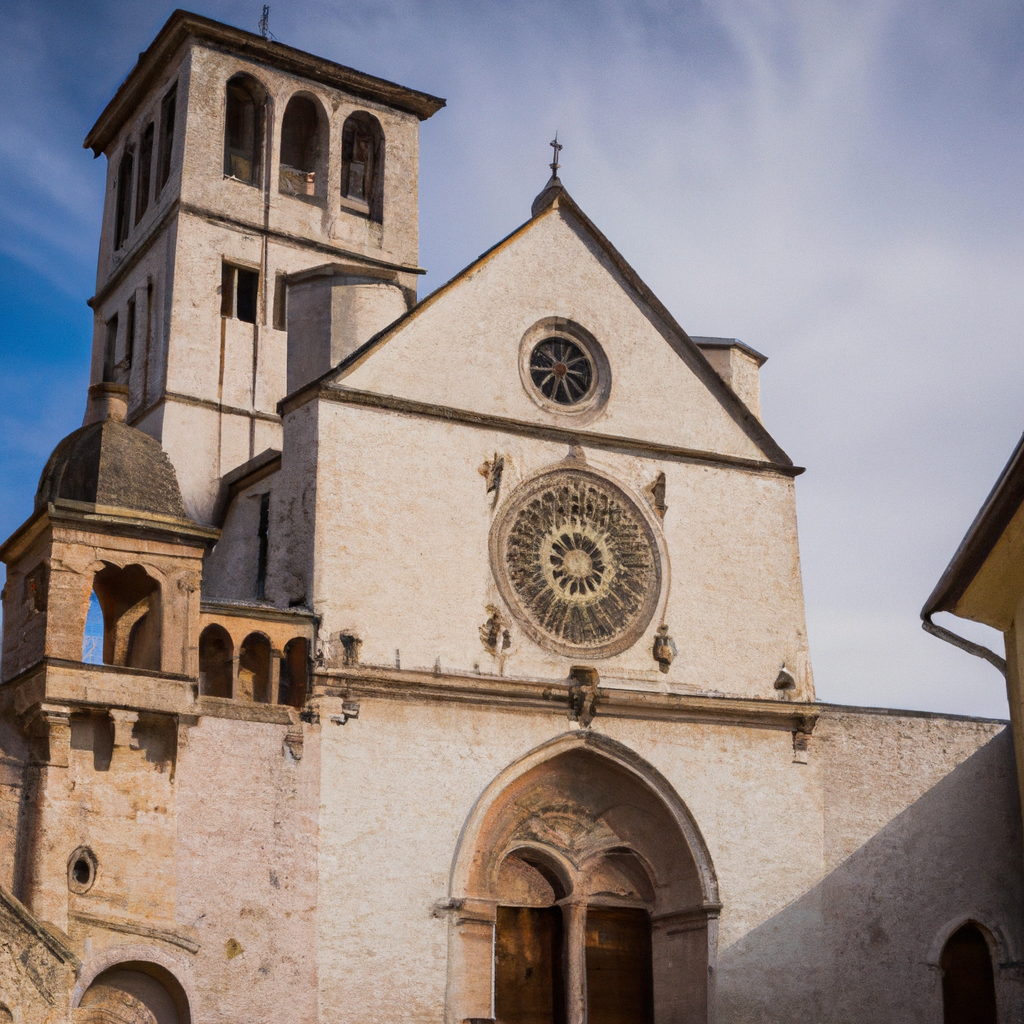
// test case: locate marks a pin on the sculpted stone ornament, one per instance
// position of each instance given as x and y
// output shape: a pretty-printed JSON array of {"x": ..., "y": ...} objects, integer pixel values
[{"x": 577, "y": 562}]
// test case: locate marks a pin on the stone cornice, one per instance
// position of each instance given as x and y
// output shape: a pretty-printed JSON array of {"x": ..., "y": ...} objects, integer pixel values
[
  {"x": 534, "y": 694},
  {"x": 524, "y": 428},
  {"x": 182, "y": 26}
]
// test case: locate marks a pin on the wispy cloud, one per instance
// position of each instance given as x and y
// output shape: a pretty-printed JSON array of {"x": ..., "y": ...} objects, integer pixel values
[{"x": 837, "y": 183}]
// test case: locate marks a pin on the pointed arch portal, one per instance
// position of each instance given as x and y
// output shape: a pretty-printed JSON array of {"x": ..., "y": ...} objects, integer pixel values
[{"x": 582, "y": 891}]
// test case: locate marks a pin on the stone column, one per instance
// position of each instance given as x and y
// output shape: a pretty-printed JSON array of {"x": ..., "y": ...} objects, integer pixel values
[
  {"x": 574, "y": 917},
  {"x": 275, "y": 676}
]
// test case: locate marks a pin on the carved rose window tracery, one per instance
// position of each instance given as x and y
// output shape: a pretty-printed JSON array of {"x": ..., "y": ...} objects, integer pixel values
[{"x": 576, "y": 561}]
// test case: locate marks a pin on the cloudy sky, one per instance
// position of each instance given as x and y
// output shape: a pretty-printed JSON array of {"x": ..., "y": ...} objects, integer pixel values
[{"x": 837, "y": 183}]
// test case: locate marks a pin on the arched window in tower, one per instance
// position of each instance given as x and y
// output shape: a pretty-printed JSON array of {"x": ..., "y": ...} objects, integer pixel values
[
  {"x": 243, "y": 129},
  {"x": 129, "y": 600},
  {"x": 123, "y": 203},
  {"x": 300, "y": 147},
  {"x": 216, "y": 653},
  {"x": 254, "y": 664},
  {"x": 968, "y": 984},
  {"x": 362, "y": 165}
]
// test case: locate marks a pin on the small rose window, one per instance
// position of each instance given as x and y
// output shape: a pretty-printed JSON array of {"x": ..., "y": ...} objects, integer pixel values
[{"x": 562, "y": 371}]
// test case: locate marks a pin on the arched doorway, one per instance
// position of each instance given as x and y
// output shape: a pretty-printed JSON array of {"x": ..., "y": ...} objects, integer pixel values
[
  {"x": 584, "y": 892},
  {"x": 134, "y": 993},
  {"x": 968, "y": 983}
]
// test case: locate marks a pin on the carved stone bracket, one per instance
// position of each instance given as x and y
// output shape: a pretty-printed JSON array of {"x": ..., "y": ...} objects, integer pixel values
[
  {"x": 802, "y": 739},
  {"x": 124, "y": 723},
  {"x": 50, "y": 731}
]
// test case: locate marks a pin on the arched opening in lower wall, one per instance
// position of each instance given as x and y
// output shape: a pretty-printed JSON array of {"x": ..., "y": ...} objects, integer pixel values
[
  {"x": 134, "y": 993},
  {"x": 968, "y": 981},
  {"x": 584, "y": 892}
]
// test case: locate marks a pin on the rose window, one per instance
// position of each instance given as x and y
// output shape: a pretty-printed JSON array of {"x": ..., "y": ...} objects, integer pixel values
[{"x": 577, "y": 563}]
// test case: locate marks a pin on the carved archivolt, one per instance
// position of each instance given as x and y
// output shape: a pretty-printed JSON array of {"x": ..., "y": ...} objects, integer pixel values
[{"x": 577, "y": 562}]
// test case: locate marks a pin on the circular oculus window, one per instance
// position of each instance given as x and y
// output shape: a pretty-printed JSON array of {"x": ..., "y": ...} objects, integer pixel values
[
  {"x": 562, "y": 371},
  {"x": 578, "y": 564}
]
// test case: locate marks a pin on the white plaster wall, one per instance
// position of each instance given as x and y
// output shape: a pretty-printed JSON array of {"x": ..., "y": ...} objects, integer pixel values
[
  {"x": 247, "y": 869},
  {"x": 463, "y": 349},
  {"x": 402, "y": 526},
  {"x": 801, "y": 938},
  {"x": 921, "y": 832}
]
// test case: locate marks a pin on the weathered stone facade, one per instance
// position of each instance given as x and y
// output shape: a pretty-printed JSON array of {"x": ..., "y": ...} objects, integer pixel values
[{"x": 454, "y": 664}]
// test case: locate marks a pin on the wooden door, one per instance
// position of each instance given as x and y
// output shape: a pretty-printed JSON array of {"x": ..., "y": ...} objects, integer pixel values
[
  {"x": 528, "y": 986},
  {"x": 620, "y": 987}
]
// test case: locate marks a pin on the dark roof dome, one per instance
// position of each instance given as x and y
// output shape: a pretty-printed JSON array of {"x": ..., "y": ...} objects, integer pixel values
[{"x": 110, "y": 463}]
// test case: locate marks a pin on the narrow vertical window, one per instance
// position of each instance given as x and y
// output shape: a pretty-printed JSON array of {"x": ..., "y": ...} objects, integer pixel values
[
  {"x": 123, "y": 202},
  {"x": 243, "y": 130},
  {"x": 110, "y": 348},
  {"x": 129, "y": 334},
  {"x": 362, "y": 164},
  {"x": 167, "y": 113},
  {"x": 263, "y": 536},
  {"x": 145, "y": 168}
]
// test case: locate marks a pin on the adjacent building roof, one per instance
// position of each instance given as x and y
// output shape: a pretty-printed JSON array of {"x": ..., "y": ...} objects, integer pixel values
[
  {"x": 109, "y": 463},
  {"x": 992, "y": 548},
  {"x": 182, "y": 25}
]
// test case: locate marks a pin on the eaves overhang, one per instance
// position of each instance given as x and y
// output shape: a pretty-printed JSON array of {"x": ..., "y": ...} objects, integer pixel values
[
  {"x": 183, "y": 25},
  {"x": 990, "y": 525}
]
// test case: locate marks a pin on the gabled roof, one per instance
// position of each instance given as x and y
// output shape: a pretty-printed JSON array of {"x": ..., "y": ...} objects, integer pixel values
[
  {"x": 182, "y": 25},
  {"x": 555, "y": 197},
  {"x": 990, "y": 524}
]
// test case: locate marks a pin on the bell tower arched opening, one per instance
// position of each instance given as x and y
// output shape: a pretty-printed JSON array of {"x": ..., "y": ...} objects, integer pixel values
[
  {"x": 130, "y": 601},
  {"x": 586, "y": 894}
]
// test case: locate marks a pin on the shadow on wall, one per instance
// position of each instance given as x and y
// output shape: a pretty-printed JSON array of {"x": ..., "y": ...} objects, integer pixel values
[{"x": 864, "y": 944}]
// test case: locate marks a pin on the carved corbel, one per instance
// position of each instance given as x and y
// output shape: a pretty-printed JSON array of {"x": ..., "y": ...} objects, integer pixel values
[
  {"x": 50, "y": 732},
  {"x": 583, "y": 695},
  {"x": 124, "y": 724},
  {"x": 802, "y": 738}
]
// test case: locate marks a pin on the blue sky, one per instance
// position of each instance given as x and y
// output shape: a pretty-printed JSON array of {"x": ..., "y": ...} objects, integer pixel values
[{"x": 839, "y": 184}]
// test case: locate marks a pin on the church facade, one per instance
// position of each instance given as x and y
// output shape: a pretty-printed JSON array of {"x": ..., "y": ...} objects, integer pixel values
[{"x": 454, "y": 664}]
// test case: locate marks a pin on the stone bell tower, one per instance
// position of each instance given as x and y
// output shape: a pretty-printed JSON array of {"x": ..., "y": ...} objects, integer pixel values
[{"x": 235, "y": 162}]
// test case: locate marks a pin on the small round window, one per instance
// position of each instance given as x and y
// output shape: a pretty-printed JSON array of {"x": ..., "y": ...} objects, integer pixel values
[
  {"x": 562, "y": 371},
  {"x": 81, "y": 870}
]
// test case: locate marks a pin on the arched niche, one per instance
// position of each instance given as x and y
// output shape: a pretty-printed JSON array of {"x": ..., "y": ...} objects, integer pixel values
[
  {"x": 255, "y": 658},
  {"x": 135, "y": 992},
  {"x": 130, "y": 601},
  {"x": 362, "y": 165},
  {"x": 623, "y": 861},
  {"x": 303, "y": 153},
  {"x": 216, "y": 662},
  {"x": 245, "y": 103}
]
